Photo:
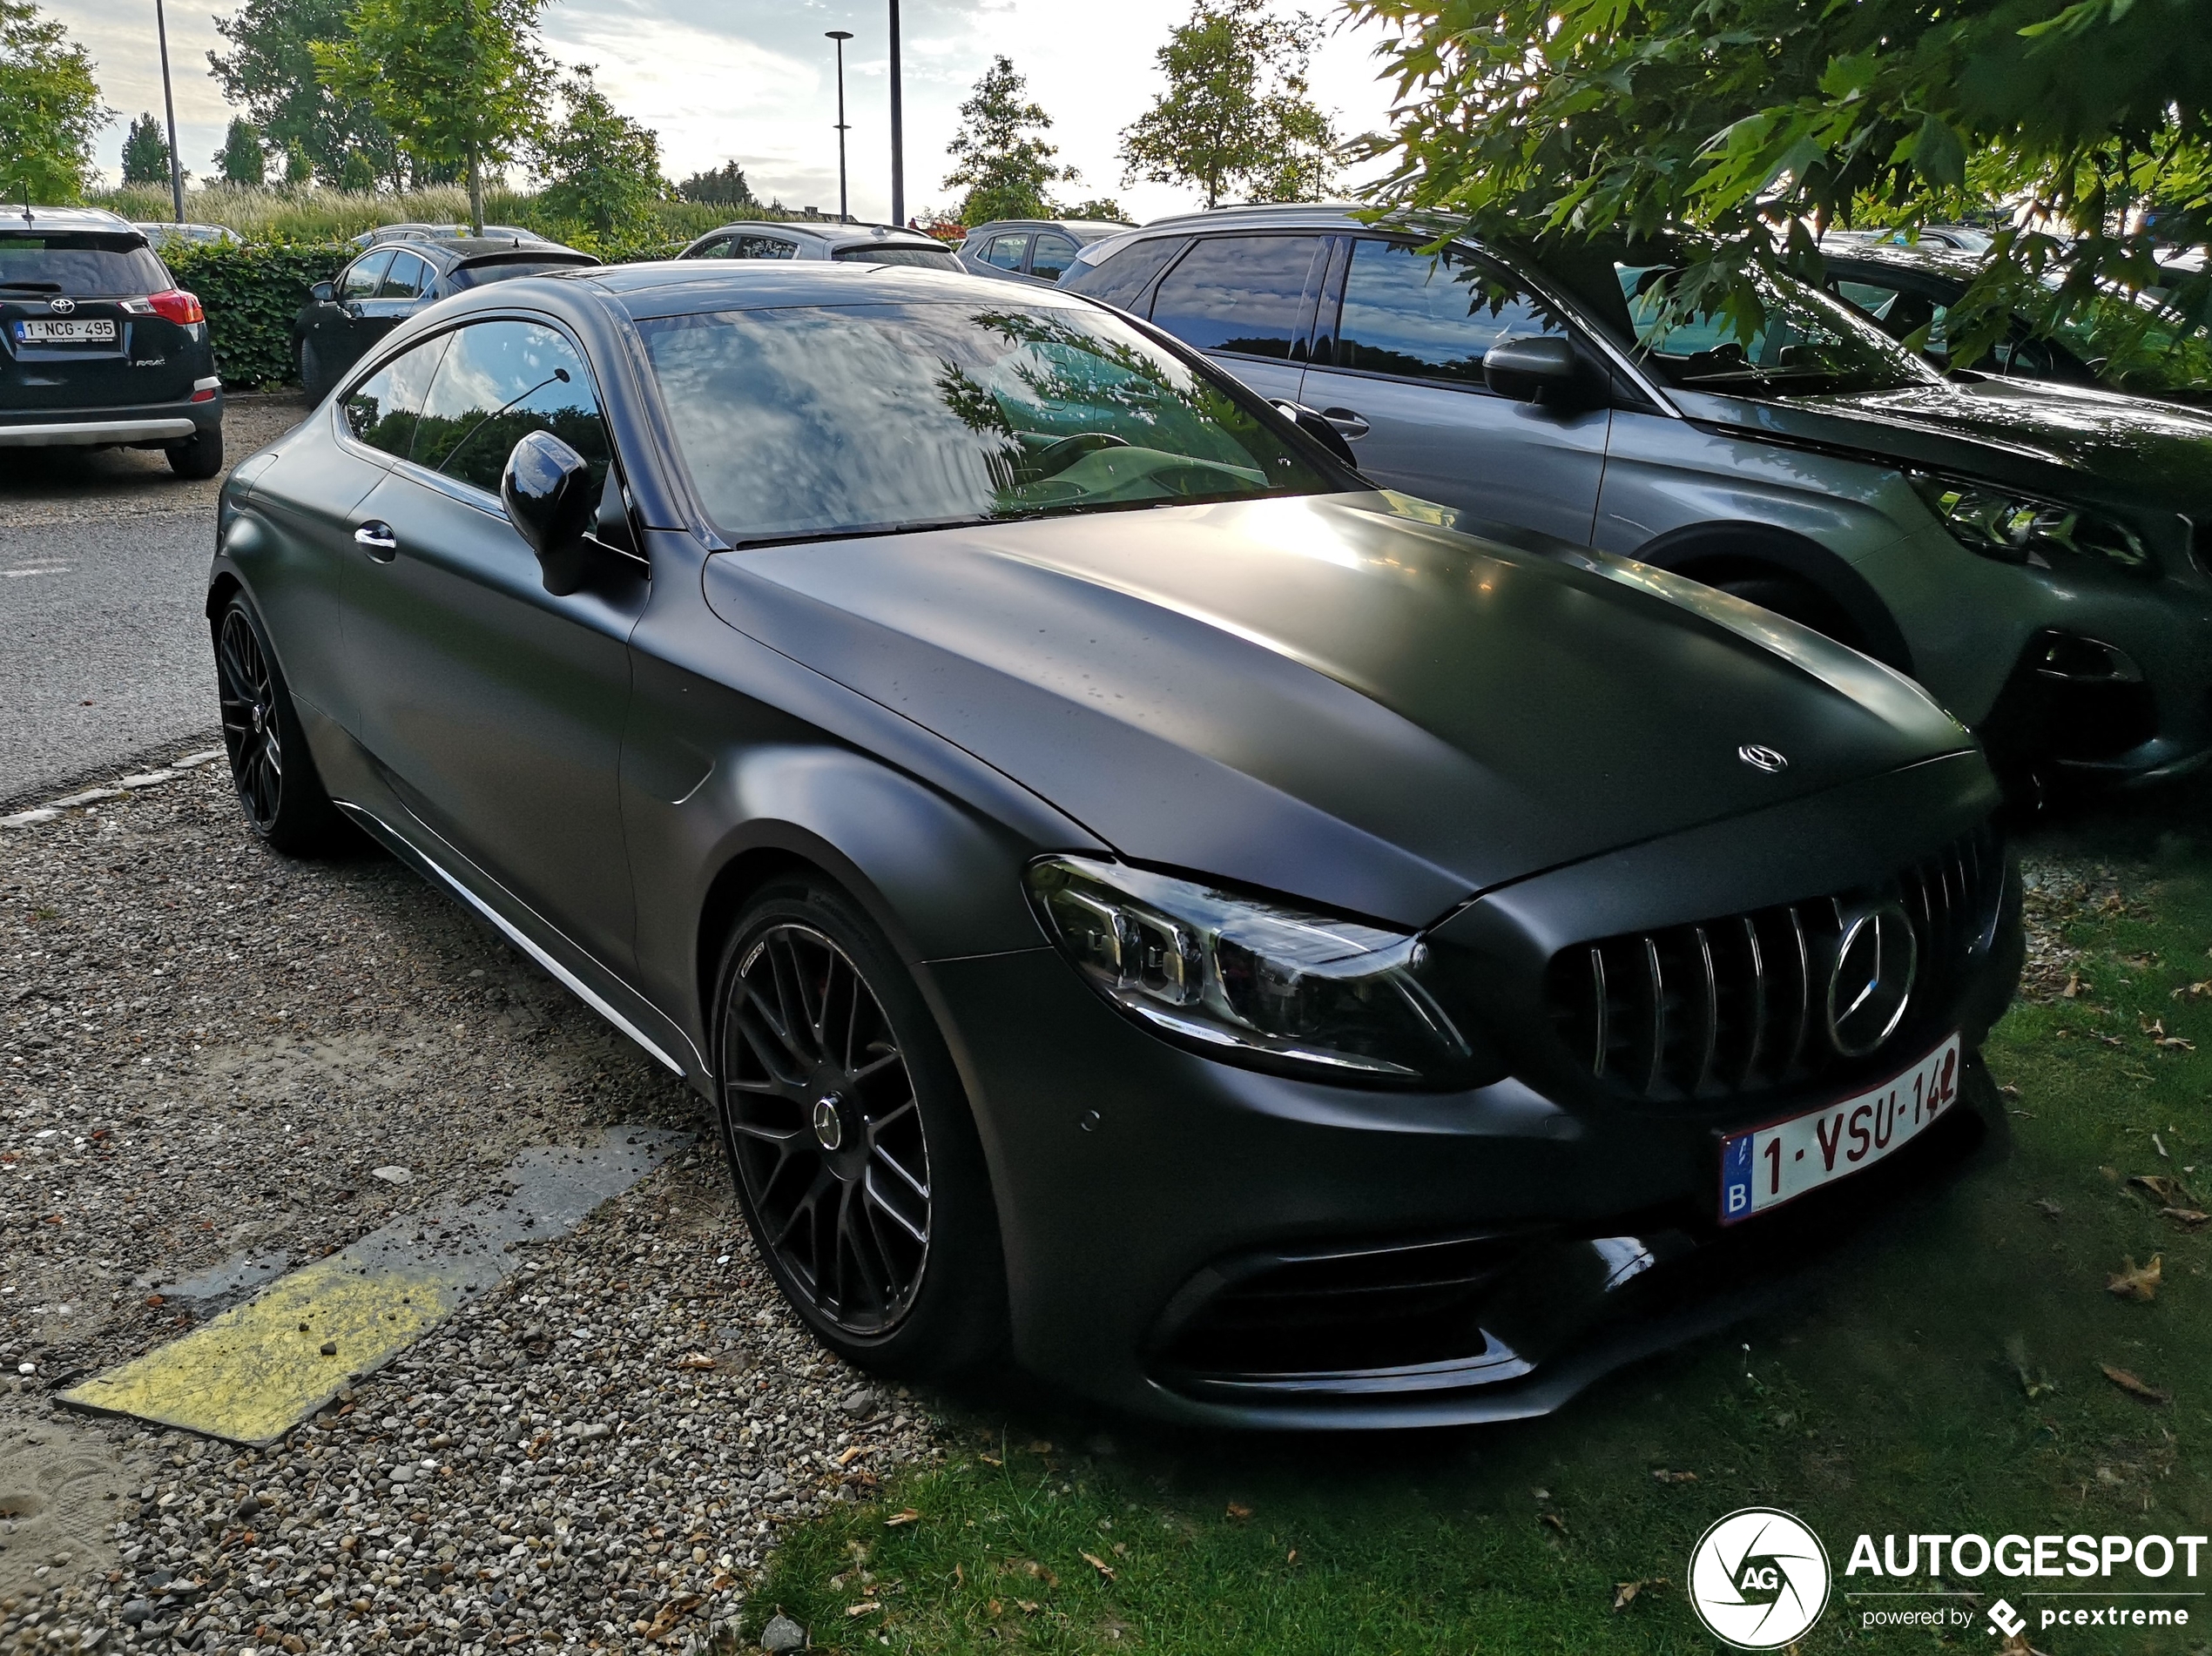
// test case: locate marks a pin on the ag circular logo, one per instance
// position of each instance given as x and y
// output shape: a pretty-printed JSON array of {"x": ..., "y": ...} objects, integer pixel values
[
  {"x": 1758, "y": 1578},
  {"x": 1871, "y": 984}
]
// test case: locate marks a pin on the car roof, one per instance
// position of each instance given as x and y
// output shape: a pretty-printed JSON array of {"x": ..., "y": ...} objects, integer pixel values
[
  {"x": 1087, "y": 229},
  {"x": 1934, "y": 260},
  {"x": 838, "y": 235},
  {"x": 33, "y": 219},
  {"x": 679, "y": 287}
]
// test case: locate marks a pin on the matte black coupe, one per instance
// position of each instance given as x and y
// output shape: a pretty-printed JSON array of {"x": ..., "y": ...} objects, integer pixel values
[{"x": 1134, "y": 893}]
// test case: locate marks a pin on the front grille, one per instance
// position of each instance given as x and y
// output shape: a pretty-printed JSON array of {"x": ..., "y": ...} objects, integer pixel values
[{"x": 1737, "y": 1005}]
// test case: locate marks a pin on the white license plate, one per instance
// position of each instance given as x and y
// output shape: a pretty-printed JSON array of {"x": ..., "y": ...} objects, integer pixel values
[
  {"x": 76, "y": 331},
  {"x": 1764, "y": 1167}
]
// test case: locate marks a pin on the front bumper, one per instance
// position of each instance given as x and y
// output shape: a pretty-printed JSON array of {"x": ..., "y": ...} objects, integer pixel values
[
  {"x": 1514, "y": 1243},
  {"x": 149, "y": 425}
]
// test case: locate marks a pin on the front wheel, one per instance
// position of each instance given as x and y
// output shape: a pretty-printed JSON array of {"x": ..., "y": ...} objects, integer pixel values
[
  {"x": 849, "y": 1137},
  {"x": 312, "y": 378},
  {"x": 270, "y": 766},
  {"x": 1797, "y": 601}
]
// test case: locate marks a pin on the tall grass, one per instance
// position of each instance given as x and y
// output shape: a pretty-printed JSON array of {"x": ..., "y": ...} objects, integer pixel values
[{"x": 318, "y": 215}]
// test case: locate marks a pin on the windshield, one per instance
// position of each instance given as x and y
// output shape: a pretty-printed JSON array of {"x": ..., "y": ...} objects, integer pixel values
[
  {"x": 926, "y": 257},
  {"x": 82, "y": 264},
  {"x": 812, "y": 420}
]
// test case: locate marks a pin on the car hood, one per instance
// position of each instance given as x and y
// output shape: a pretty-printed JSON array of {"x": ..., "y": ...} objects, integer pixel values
[
  {"x": 2081, "y": 442},
  {"x": 1328, "y": 697}
]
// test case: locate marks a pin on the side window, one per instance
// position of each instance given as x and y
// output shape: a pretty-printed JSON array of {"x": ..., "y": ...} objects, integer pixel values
[
  {"x": 718, "y": 249},
  {"x": 1005, "y": 252},
  {"x": 1405, "y": 312},
  {"x": 1900, "y": 310},
  {"x": 1121, "y": 278},
  {"x": 1249, "y": 294},
  {"x": 762, "y": 247},
  {"x": 407, "y": 278},
  {"x": 1053, "y": 254},
  {"x": 383, "y": 410},
  {"x": 498, "y": 382},
  {"x": 1875, "y": 301},
  {"x": 367, "y": 271}
]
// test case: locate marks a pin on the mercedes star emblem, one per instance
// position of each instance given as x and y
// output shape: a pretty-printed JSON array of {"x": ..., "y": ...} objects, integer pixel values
[
  {"x": 1871, "y": 984},
  {"x": 1762, "y": 758}
]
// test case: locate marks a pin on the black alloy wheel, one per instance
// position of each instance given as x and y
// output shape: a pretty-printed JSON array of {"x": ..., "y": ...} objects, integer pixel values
[
  {"x": 270, "y": 766},
  {"x": 853, "y": 1152}
]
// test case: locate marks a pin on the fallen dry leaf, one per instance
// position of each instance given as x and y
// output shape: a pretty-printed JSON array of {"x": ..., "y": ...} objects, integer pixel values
[
  {"x": 908, "y": 1517},
  {"x": 2197, "y": 990},
  {"x": 695, "y": 1360},
  {"x": 1031, "y": 1568},
  {"x": 1665, "y": 1476},
  {"x": 1029, "y": 1605},
  {"x": 856, "y": 1452},
  {"x": 1239, "y": 1511},
  {"x": 2072, "y": 987},
  {"x": 1099, "y": 1565},
  {"x": 2051, "y": 1209},
  {"x": 2167, "y": 1190},
  {"x": 2134, "y": 1384},
  {"x": 993, "y": 1608},
  {"x": 2190, "y": 1218},
  {"x": 1554, "y": 1519},
  {"x": 2133, "y": 1283},
  {"x": 990, "y": 1460},
  {"x": 1041, "y": 1446},
  {"x": 1625, "y": 1593},
  {"x": 670, "y": 1614},
  {"x": 862, "y": 1608}
]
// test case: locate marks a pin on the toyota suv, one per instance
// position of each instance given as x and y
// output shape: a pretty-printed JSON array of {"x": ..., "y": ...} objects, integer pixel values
[
  {"x": 98, "y": 345},
  {"x": 2039, "y": 557}
]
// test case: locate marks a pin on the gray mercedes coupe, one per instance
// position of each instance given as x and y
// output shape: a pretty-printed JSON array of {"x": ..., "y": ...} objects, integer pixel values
[{"x": 1135, "y": 895}]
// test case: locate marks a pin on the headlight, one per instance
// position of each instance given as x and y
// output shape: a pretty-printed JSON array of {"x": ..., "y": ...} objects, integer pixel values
[
  {"x": 2018, "y": 528},
  {"x": 1260, "y": 982}
]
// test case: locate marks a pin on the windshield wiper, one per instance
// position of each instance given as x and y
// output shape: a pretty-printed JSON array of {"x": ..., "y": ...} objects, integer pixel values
[{"x": 31, "y": 287}]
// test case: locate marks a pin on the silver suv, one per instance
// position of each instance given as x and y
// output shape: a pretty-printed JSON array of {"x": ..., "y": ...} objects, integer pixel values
[{"x": 2039, "y": 557}]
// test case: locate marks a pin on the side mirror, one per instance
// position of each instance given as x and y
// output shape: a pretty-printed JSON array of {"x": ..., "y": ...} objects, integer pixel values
[
  {"x": 1315, "y": 425},
  {"x": 547, "y": 491},
  {"x": 323, "y": 291},
  {"x": 1534, "y": 368}
]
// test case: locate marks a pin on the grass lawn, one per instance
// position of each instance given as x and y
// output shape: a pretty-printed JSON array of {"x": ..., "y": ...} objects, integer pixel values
[{"x": 1944, "y": 1375}]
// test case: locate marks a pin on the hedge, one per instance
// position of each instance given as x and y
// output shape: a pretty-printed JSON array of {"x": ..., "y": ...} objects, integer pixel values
[{"x": 251, "y": 293}]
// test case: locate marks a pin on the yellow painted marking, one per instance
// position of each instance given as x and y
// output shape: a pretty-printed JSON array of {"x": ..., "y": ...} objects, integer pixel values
[{"x": 251, "y": 1373}]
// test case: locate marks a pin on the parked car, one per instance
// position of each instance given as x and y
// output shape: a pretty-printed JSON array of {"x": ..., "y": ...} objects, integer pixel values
[
  {"x": 2123, "y": 344},
  {"x": 1958, "y": 239},
  {"x": 412, "y": 231},
  {"x": 98, "y": 345},
  {"x": 1131, "y": 888},
  {"x": 2040, "y": 560},
  {"x": 159, "y": 235},
  {"x": 803, "y": 238},
  {"x": 390, "y": 282},
  {"x": 1031, "y": 250}
]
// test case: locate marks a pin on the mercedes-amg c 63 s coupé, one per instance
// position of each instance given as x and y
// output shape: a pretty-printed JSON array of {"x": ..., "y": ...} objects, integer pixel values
[{"x": 1136, "y": 895}]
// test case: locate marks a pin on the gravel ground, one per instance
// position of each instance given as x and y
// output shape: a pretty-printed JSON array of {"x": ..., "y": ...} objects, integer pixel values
[{"x": 205, "y": 1050}]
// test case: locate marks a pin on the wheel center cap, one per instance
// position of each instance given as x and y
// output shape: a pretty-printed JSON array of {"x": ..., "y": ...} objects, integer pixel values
[
  {"x": 829, "y": 1123},
  {"x": 257, "y": 716}
]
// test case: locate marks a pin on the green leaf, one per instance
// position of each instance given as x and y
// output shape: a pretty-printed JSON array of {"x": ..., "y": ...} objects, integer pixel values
[{"x": 1939, "y": 156}]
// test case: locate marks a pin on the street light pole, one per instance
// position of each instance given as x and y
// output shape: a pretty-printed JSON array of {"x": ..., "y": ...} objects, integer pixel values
[
  {"x": 844, "y": 210},
  {"x": 898, "y": 130},
  {"x": 169, "y": 106}
]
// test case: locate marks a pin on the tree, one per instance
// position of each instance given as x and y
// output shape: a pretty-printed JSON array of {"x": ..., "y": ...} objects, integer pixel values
[
  {"x": 50, "y": 108},
  {"x": 241, "y": 158},
  {"x": 270, "y": 73},
  {"x": 725, "y": 186},
  {"x": 1005, "y": 164},
  {"x": 298, "y": 169},
  {"x": 145, "y": 151},
  {"x": 1104, "y": 209},
  {"x": 1755, "y": 121},
  {"x": 1236, "y": 117},
  {"x": 599, "y": 166},
  {"x": 459, "y": 82}
]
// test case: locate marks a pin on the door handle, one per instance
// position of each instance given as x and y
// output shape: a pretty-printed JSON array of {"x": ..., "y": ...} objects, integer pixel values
[
  {"x": 1348, "y": 421},
  {"x": 375, "y": 536}
]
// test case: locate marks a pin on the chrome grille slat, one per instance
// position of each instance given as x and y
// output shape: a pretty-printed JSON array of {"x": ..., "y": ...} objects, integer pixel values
[{"x": 1735, "y": 1004}]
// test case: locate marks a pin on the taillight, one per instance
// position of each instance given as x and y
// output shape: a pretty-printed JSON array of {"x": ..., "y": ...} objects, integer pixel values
[{"x": 176, "y": 305}]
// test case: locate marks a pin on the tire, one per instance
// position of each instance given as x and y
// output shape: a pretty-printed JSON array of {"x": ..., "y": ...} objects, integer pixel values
[
  {"x": 855, "y": 1158},
  {"x": 198, "y": 457},
  {"x": 1796, "y": 600},
  {"x": 312, "y": 379},
  {"x": 271, "y": 768}
]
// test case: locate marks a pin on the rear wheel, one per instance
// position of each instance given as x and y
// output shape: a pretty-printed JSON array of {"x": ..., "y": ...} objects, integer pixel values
[
  {"x": 198, "y": 457},
  {"x": 849, "y": 1137},
  {"x": 270, "y": 766}
]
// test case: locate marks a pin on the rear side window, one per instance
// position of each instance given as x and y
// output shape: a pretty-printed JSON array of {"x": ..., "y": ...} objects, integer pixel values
[
  {"x": 384, "y": 409},
  {"x": 408, "y": 278},
  {"x": 1005, "y": 252},
  {"x": 362, "y": 279},
  {"x": 497, "y": 383},
  {"x": 87, "y": 263},
  {"x": 1120, "y": 279},
  {"x": 1426, "y": 317},
  {"x": 1054, "y": 253},
  {"x": 1245, "y": 294},
  {"x": 761, "y": 247}
]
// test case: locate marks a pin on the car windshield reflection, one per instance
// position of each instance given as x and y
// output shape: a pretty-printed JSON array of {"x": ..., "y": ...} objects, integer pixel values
[
  {"x": 1807, "y": 345},
  {"x": 811, "y": 422}
]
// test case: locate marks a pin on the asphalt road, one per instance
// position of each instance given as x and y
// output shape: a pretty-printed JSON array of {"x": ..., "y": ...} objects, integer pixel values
[{"x": 104, "y": 653}]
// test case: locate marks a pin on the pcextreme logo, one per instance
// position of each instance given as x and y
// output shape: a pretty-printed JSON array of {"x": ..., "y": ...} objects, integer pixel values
[{"x": 1758, "y": 1578}]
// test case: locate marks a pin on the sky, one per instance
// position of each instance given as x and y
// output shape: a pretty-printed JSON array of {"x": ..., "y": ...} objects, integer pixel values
[{"x": 755, "y": 80}]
